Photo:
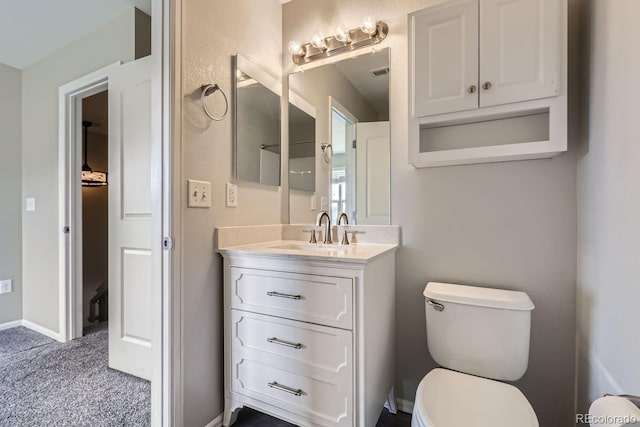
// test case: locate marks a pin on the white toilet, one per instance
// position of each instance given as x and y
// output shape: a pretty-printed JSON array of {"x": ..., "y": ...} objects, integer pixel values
[{"x": 479, "y": 335}]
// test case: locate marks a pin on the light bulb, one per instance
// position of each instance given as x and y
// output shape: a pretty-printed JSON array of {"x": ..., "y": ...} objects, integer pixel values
[
  {"x": 342, "y": 34},
  {"x": 369, "y": 25},
  {"x": 296, "y": 48},
  {"x": 318, "y": 42}
]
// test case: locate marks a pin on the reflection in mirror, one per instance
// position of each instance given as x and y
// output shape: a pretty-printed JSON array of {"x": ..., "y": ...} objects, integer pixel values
[
  {"x": 302, "y": 140},
  {"x": 352, "y": 171},
  {"x": 257, "y": 135}
]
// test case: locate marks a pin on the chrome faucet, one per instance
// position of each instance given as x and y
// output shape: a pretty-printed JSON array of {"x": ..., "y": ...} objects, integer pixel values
[
  {"x": 345, "y": 238},
  {"x": 327, "y": 230}
]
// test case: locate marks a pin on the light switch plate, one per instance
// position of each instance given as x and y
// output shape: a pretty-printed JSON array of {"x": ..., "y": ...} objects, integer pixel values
[
  {"x": 6, "y": 286},
  {"x": 324, "y": 204},
  {"x": 314, "y": 202},
  {"x": 30, "y": 204},
  {"x": 232, "y": 195},
  {"x": 199, "y": 194}
]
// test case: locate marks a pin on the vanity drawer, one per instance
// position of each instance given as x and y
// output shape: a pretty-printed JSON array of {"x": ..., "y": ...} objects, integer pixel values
[
  {"x": 325, "y": 401},
  {"x": 324, "y": 300},
  {"x": 313, "y": 349}
]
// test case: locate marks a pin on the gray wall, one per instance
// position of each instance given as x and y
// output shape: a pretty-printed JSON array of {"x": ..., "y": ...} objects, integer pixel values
[
  {"x": 508, "y": 225},
  {"x": 40, "y": 82},
  {"x": 142, "y": 34},
  {"x": 609, "y": 203},
  {"x": 213, "y": 31},
  {"x": 10, "y": 192}
]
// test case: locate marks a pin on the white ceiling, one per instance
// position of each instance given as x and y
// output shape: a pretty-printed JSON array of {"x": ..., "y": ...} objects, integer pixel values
[{"x": 33, "y": 29}]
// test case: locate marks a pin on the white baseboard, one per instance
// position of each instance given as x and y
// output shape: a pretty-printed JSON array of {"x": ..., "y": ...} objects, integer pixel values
[
  {"x": 41, "y": 330},
  {"x": 405, "y": 406},
  {"x": 9, "y": 325},
  {"x": 217, "y": 422}
]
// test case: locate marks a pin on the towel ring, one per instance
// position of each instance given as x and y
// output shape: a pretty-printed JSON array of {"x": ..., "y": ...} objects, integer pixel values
[
  {"x": 327, "y": 152},
  {"x": 207, "y": 90}
]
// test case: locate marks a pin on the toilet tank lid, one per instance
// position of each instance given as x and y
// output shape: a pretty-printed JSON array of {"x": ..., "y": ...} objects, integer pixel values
[{"x": 478, "y": 296}]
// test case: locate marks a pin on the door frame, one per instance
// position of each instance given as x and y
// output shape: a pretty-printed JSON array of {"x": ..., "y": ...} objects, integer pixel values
[
  {"x": 70, "y": 98},
  {"x": 335, "y": 105},
  {"x": 166, "y": 383}
]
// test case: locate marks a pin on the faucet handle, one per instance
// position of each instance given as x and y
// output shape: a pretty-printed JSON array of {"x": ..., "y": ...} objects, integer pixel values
[
  {"x": 313, "y": 238},
  {"x": 345, "y": 238}
]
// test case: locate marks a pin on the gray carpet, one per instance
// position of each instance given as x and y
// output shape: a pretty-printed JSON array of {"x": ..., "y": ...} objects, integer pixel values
[
  {"x": 46, "y": 383},
  {"x": 17, "y": 340}
]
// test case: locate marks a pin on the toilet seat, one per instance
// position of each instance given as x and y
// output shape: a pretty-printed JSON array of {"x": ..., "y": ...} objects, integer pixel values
[{"x": 452, "y": 399}]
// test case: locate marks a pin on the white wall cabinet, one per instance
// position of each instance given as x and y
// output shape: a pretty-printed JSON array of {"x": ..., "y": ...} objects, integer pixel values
[
  {"x": 308, "y": 340},
  {"x": 445, "y": 58},
  {"x": 478, "y": 61},
  {"x": 519, "y": 50}
]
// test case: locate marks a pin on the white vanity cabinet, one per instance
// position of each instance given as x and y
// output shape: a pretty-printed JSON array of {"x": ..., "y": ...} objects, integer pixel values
[
  {"x": 478, "y": 61},
  {"x": 309, "y": 340}
]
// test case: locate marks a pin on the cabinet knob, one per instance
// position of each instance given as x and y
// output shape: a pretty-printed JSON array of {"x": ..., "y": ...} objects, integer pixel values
[
  {"x": 486, "y": 85},
  {"x": 472, "y": 89}
]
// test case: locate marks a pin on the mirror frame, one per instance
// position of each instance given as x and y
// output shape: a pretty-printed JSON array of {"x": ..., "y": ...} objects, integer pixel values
[{"x": 265, "y": 79}]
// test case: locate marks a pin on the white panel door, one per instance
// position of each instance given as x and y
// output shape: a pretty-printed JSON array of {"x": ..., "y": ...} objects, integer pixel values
[
  {"x": 519, "y": 50},
  {"x": 444, "y": 58},
  {"x": 130, "y": 218},
  {"x": 372, "y": 172}
]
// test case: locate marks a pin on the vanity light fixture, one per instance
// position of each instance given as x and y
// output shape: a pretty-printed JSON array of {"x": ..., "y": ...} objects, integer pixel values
[
  {"x": 342, "y": 34},
  {"x": 371, "y": 32},
  {"x": 369, "y": 25},
  {"x": 296, "y": 48},
  {"x": 318, "y": 41}
]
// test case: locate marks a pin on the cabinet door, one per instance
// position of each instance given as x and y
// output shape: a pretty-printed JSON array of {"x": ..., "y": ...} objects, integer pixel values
[
  {"x": 519, "y": 50},
  {"x": 444, "y": 58}
]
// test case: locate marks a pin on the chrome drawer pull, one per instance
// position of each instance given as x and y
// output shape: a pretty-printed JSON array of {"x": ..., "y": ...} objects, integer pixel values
[
  {"x": 296, "y": 392},
  {"x": 275, "y": 340},
  {"x": 279, "y": 295}
]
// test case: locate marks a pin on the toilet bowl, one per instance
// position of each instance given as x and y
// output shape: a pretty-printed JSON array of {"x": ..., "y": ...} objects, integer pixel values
[
  {"x": 480, "y": 336},
  {"x": 447, "y": 398}
]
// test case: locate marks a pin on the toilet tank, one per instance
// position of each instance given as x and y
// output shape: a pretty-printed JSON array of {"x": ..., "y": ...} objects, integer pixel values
[{"x": 479, "y": 331}]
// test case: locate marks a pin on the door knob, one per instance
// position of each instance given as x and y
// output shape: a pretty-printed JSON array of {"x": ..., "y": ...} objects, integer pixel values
[
  {"x": 472, "y": 89},
  {"x": 486, "y": 85}
]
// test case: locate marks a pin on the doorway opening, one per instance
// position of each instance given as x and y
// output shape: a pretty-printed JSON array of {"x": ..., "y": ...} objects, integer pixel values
[{"x": 94, "y": 285}]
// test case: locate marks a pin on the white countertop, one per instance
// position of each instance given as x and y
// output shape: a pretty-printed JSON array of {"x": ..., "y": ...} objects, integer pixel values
[{"x": 356, "y": 252}]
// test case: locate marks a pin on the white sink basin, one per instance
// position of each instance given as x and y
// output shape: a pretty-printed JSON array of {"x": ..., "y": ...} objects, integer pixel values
[{"x": 311, "y": 247}]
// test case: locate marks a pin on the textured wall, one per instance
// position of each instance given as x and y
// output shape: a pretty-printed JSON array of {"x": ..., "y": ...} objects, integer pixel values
[
  {"x": 10, "y": 187},
  {"x": 509, "y": 225},
  {"x": 609, "y": 203},
  {"x": 213, "y": 31}
]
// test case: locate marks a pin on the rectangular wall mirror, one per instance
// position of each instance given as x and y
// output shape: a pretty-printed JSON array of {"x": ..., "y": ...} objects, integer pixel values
[
  {"x": 351, "y": 144},
  {"x": 257, "y": 124}
]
